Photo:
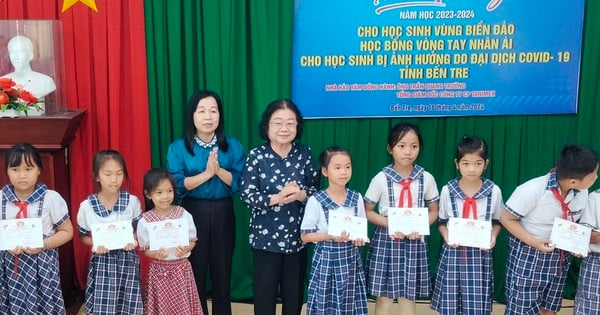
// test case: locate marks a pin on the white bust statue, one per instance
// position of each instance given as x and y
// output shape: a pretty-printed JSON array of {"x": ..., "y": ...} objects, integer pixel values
[{"x": 20, "y": 53}]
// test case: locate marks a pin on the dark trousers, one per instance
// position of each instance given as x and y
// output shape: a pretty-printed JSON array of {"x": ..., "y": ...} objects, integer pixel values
[
  {"x": 275, "y": 272},
  {"x": 215, "y": 226}
]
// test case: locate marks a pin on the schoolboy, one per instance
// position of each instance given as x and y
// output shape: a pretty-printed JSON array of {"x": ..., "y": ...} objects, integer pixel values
[{"x": 536, "y": 270}]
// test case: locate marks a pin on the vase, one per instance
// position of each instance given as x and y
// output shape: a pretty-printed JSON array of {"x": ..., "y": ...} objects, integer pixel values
[
  {"x": 32, "y": 112},
  {"x": 11, "y": 113}
]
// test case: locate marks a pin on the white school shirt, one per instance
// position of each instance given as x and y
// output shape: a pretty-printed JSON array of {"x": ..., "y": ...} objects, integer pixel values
[
  {"x": 496, "y": 205},
  {"x": 86, "y": 216},
  {"x": 54, "y": 210},
  {"x": 537, "y": 207},
  {"x": 144, "y": 236},
  {"x": 378, "y": 192},
  {"x": 314, "y": 215},
  {"x": 591, "y": 216}
]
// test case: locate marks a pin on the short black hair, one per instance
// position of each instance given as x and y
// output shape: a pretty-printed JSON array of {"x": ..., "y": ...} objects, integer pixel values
[
  {"x": 263, "y": 127},
  {"x": 399, "y": 131},
  {"x": 576, "y": 162},
  {"x": 325, "y": 156},
  {"x": 22, "y": 152},
  {"x": 469, "y": 144},
  {"x": 101, "y": 157},
  {"x": 152, "y": 179},
  {"x": 190, "y": 128}
]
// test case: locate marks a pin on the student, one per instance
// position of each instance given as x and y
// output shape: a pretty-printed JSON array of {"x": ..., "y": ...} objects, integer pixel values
[
  {"x": 398, "y": 266},
  {"x": 176, "y": 292},
  {"x": 464, "y": 281},
  {"x": 337, "y": 280},
  {"x": 587, "y": 299},
  {"x": 536, "y": 270},
  {"x": 113, "y": 283},
  {"x": 30, "y": 277}
]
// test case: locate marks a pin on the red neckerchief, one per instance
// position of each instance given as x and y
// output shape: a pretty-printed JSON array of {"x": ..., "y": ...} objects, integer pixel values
[
  {"x": 21, "y": 214},
  {"x": 563, "y": 205},
  {"x": 565, "y": 215},
  {"x": 469, "y": 206},
  {"x": 405, "y": 183},
  {"x": 22, "y": 209}
]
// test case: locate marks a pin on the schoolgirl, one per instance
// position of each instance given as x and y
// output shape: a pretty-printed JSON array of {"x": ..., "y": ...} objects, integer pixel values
[
  {"x": 337, "y": 280},
  {"x": 113, "y": 283},
  {"x": 464, "y": 279},
  {"x": 398, "y": 266},
  {"x": 30, "y": 277}
]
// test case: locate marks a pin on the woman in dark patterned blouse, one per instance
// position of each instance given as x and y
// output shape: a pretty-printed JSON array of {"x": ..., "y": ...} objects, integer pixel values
[{"x": 278, "y": 178}]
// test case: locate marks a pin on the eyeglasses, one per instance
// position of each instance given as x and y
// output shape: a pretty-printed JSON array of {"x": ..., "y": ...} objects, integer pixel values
[{"x": 278, "y": 125}]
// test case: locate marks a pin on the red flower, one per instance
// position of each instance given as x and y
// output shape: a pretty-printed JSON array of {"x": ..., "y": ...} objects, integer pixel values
[
  {"x": 27, "y": 97},
  {"x": 14, "y": 97},
  {"x": 7, "y": 84},
  {"x": 4, "y": 98}
]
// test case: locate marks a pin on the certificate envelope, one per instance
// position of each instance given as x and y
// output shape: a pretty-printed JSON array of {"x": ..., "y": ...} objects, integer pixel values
[
  {"x": 408, "y": 220},
  {"x": 570, "y": 236},
  {"x": 470, "y": 232},
  {"x": 113, "y": 235},
  {"x": 355, "y": 226},
  {"x": 168, "y": 234},
  {"x": 21, "y": 232}
]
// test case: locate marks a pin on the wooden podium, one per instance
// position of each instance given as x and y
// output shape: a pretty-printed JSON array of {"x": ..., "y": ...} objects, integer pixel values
[{"x": 51, "y": 135}]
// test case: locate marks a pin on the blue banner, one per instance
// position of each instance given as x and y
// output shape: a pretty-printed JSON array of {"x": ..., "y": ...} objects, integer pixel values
[{"x": 436, "y": 57}]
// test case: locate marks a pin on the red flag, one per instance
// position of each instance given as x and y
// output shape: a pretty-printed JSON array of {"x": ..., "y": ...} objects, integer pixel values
[{"x": 105, "y": 64}]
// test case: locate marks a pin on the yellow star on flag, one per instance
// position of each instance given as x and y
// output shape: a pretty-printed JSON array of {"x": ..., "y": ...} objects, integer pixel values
[{"x": 69, "y": 3}]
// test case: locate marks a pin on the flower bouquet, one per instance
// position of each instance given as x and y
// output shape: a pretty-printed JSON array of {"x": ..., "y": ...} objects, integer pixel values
[{"x": 14, "y": 97}]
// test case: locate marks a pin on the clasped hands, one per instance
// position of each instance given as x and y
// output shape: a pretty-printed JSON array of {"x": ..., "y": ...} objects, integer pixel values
[
  {"x": 290, "y": 193},
  {"x": 212, "y": 164}
]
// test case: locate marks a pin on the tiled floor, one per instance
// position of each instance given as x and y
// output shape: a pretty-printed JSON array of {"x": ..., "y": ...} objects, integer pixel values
[{"x": 422, "y": 309}]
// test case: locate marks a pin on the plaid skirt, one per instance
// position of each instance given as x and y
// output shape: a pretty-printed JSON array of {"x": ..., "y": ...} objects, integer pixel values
[
  {"x": 171, "y": 289},
  {"x": 113, "y": 284},
  {"x": 464, "y": 281},
  {"x": 30, "y": 284},
  {"x": 397, "y": 268},
  {"x": 337, "y": 280},
  {"x": 534, "y": 280},
  {"x": 587, "y": 299},
  {"x": 4, "y": 305}
]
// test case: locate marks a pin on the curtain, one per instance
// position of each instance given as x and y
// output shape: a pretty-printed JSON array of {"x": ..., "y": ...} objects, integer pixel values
[
  {"x": 243, "y": 50},
  {"x": 105, "y": 71}
]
